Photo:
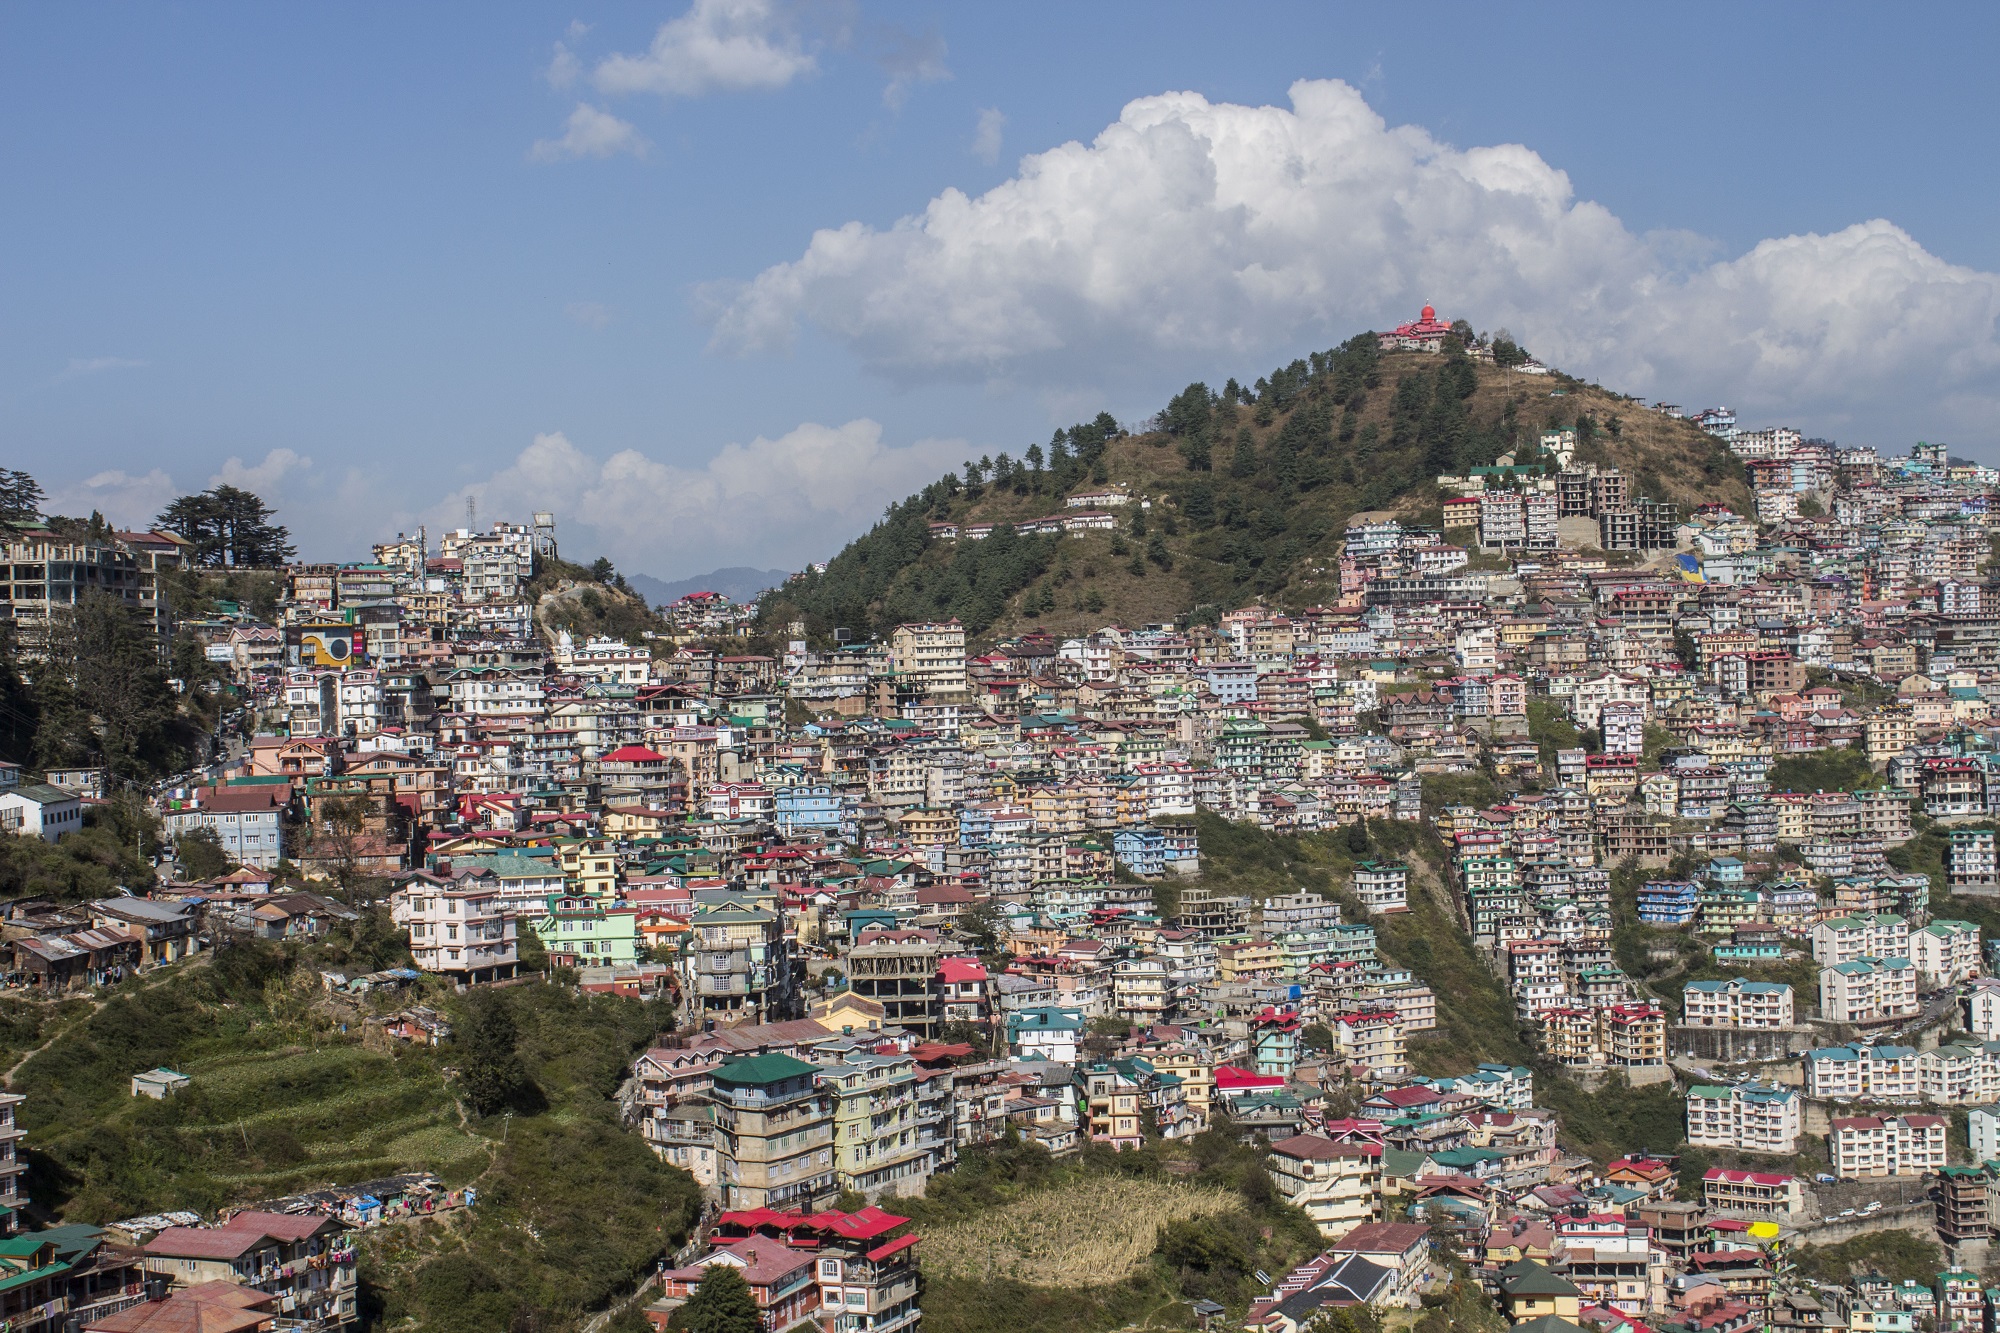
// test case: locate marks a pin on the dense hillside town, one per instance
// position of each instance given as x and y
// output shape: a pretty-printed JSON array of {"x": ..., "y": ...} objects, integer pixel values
[{"x": 1706, "y": 798}]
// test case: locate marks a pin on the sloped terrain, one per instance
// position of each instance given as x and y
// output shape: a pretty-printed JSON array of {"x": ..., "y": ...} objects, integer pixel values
[{"x": 1250, "y": 490}]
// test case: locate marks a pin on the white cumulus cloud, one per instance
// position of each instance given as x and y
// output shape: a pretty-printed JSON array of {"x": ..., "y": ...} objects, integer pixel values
[
  {"x": 266, "y": 478},
  {"x": 717, "y": 46},
  {"x": 128, "y": 501},
  {"x": 770, "y": 503},
  {"x": 1199, "y": 237},
  {"x": 590, "y": 132},
  {"x": 590, "y": 314},
  {"x": 986, "y": 138}
]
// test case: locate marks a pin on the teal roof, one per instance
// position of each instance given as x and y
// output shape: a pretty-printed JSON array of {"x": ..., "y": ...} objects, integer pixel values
[{"x": 762, "y": 1069}]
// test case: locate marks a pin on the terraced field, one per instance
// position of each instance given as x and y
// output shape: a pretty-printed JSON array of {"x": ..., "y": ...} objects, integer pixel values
[
  {"x": 281, "y": 1099},
  {"x": 353, "y": 1113}
]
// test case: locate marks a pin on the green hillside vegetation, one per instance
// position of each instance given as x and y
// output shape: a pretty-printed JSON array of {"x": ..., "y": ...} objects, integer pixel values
[
  {"x": 589, "y": 601},
  {"x": 286, "y": 1096},
  {"x": 1479, "y": 1023},
  {"x": 1251, "y": 490},
  {"x": 1476, "y": 1017},
  {"x": 1896, "y": 1255}
]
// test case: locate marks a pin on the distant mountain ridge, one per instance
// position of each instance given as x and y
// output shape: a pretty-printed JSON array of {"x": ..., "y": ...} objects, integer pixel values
[{"x": 739, "y": 583}]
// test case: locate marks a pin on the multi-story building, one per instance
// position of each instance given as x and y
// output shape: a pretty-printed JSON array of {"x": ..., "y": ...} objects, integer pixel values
[
  {"x": 249, "y": 822},
  {"x": 1843, "y": 939},
  {"x": 582, "y": 931},
  {"x": 1878, "y": 1073},
  {"x": 1744, "y": 1117},
  {"x": 898, "y": 969},
  {"x": 1739, "y": 1003},
  {"x": 1128, "y": 1100},
  {"x": 1372, "y": 1040},
  {"x": 929, "y": 658},
  {"x": 1866, "y": 1146},
  {"x": 774, "y": 1134},
  {"x": 737, "y": 965},
  {"x": 1338, "y": 1185},
  {"x": 875, "y": 1126},
  {"x": 1753, "y": 1193},
  {"x": 1869, "y": 990},
  {"x": 466, "y": 933},
  {"x": 1971, "y": 861},
  {"x": 1963, "y": 1213},
  {"x": 1945, "y": 952},
  {"x": 50, "y": 574},
  {"x": 12, "y": 1165},
  {"x": 866, "y": 1273},
  {"x": 1383, "y": 886},
  {"x": 306, "y": 1261}
]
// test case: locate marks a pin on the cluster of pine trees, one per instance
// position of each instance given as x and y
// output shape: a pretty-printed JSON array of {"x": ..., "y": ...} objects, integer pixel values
[
  {"x": 880, "y": 580},
  {"x": 1269, "y": 474}
]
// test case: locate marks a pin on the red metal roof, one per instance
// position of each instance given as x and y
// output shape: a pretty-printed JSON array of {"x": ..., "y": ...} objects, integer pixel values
[{"x": 893, "y": 1247}]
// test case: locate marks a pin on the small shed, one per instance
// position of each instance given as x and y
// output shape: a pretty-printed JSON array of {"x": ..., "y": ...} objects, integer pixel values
[{"x": 159, "y": 1084}]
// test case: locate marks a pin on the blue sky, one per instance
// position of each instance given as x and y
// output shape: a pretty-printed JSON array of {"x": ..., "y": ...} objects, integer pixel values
[{"x": 370, "y": 259}]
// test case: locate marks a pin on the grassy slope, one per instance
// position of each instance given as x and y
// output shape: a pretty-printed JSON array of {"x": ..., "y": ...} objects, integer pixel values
[
  {"x": 1012, "y": 1187},
  {"x": 1286, "y": 548},
  {"x": 573, "y": 1206}
]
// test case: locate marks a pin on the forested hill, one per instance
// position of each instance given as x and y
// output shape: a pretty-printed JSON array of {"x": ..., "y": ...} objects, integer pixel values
[{"x": 1251, "y": 488}]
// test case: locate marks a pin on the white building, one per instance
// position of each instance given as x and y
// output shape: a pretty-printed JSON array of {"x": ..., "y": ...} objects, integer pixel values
[
  {"x": 1946, "y": 953},
  {"x": 1868, "y": 990},
  {"x": 1624, "y": 728},
  {"x": 1746, "y": 1117},
  {"x": 611, "y": 661},
  {"x": 1383, "y": 886},
  {"x": 1983, "y": 1130},
  {"x": 249, "y": 822},
  {"x": 1842, "y": 939},
  {"x": 1736, "y": 1004},
  {"x": 466, "y": 933},
  {"x": 1971, "y": 861},
  {"x": 1982, "y": 1009},
  {"x": 37, "y": 810},
  {"x": 1865, "y": 1146},
  {"x": 1339, "y": 1185},
  {"x": 12, "y": 1164},
  {"x": 1880, "y": 1073}
]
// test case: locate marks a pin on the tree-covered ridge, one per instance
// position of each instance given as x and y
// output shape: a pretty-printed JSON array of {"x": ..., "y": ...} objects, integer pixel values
[{"x": 1251, "y": 488}]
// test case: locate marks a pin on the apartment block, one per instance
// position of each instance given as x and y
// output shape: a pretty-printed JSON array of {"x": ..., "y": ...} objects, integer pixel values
[
  {"x": 1744, "y": 1117},
  {"x": 1739, "y": 1003},
  {"x": 1866, "y": 1147}
]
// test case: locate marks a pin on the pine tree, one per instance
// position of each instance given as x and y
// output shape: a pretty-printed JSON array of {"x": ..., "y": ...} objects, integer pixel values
[
  {"x": 20, "y": 497},
  {"x": 721, "y": 1303},
  {"x": 490, "y": 1065},
  {"x": 1244, "y": 462}
]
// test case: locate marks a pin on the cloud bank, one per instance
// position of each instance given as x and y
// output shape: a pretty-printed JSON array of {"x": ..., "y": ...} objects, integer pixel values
[
  {"x": 768, "y": 503},
  {"x": 1194, "y": 237},
  {"x": 717, "y": 46},
  {"x": 590, "y": 132}
]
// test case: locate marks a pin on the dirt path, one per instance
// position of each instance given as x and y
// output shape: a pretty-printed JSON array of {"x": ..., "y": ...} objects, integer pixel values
[{"x": 97, "y": 1002}]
